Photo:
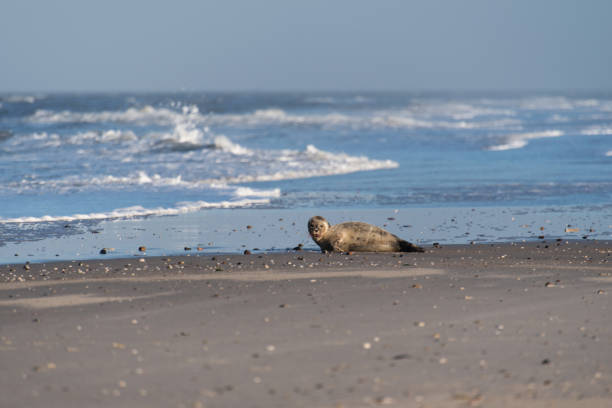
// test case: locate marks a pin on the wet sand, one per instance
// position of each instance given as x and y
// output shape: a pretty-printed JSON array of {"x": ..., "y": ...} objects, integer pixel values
[{"x": 524, "y": 324}]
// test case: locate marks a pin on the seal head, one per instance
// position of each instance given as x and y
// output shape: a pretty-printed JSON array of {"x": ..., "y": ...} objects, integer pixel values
[{"x": 356, "y": 236}]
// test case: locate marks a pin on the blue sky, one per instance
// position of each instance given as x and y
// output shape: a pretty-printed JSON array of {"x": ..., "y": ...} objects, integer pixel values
[{"x": 133, "y": 45}]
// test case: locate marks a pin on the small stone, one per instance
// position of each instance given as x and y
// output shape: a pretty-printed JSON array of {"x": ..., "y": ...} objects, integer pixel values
[
  {"x": 367, "y": 346},
  {"x": 545, "y": 361}
]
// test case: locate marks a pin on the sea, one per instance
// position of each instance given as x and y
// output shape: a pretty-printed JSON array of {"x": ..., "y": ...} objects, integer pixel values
[{"x": 220, "y": 172}]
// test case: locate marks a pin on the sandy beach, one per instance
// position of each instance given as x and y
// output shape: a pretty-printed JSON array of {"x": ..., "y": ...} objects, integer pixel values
[{"x": 503, "y": 325}]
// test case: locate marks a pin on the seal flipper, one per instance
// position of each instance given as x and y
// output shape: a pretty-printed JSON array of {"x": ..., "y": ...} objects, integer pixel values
[{"x": 406, "y": 246}]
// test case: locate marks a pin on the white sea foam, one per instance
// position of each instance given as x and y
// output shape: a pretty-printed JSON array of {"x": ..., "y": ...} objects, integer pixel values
[
  {"x": 250, "y": 192},
  {"x": 139, "y": 211},
  {"x": 547, "y": 103},
  {"x": 312, "y": 162},
  {"x": 21, "y": 98},
  {"x": 597, "y": 131},
  {"x": 609, "y": 153},
  {"x": 449, "y": 116},
  {"x": 144, "y": 115},
  {"x": 223, "y": 143},
  {"x": 520, "y": 140}
]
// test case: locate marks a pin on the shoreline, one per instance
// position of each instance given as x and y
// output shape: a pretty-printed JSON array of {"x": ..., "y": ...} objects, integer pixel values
[
  {"x": 232, "y": 231},
  {"x": 522, "y": 324},
  {"x": 436, "y": 254}
]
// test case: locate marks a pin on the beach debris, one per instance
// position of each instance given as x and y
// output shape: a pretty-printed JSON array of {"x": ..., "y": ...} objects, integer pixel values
[
  {"x": 142, "y": 248},
  {"x": 48, "y": 366}
]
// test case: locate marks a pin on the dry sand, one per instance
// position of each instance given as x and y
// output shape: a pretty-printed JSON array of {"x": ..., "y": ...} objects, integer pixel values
[{"x": 484, "y": 325}]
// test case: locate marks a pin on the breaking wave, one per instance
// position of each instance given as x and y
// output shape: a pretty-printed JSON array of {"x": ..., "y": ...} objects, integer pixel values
[
  {"x": 520, "y": 140},
  {"x": 447, "y": 116},
  {"x": 139, "y": 211}
]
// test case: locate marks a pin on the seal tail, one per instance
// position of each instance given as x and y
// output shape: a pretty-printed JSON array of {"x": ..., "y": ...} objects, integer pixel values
[{"x": 406, "y": 246}]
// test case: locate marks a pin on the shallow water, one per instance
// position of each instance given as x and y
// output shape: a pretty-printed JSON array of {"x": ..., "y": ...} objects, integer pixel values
[
  {"x": 79, "y": 160},
  {"x": 269, "y": 230}
]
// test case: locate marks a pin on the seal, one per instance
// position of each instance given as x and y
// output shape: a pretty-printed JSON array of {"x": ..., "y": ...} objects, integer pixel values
[{"x": 356, "y": 236}]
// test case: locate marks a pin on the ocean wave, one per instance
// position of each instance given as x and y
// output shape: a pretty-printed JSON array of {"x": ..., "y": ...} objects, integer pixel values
[
  {"x": 520, "y": 140},
  {"x": 335, "y": 100},
  {"x": 597, "y": 131},
  {"x": 139, "y": 178},
  {"x": 447, "y": 116},
  {"x": 139, "y": 211},
  {"x": 5, "y": 135},
  {"x": 311, "y": 162},
  {"x": 145, "y": 115},
  {"x": 21, "y": 98}
]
